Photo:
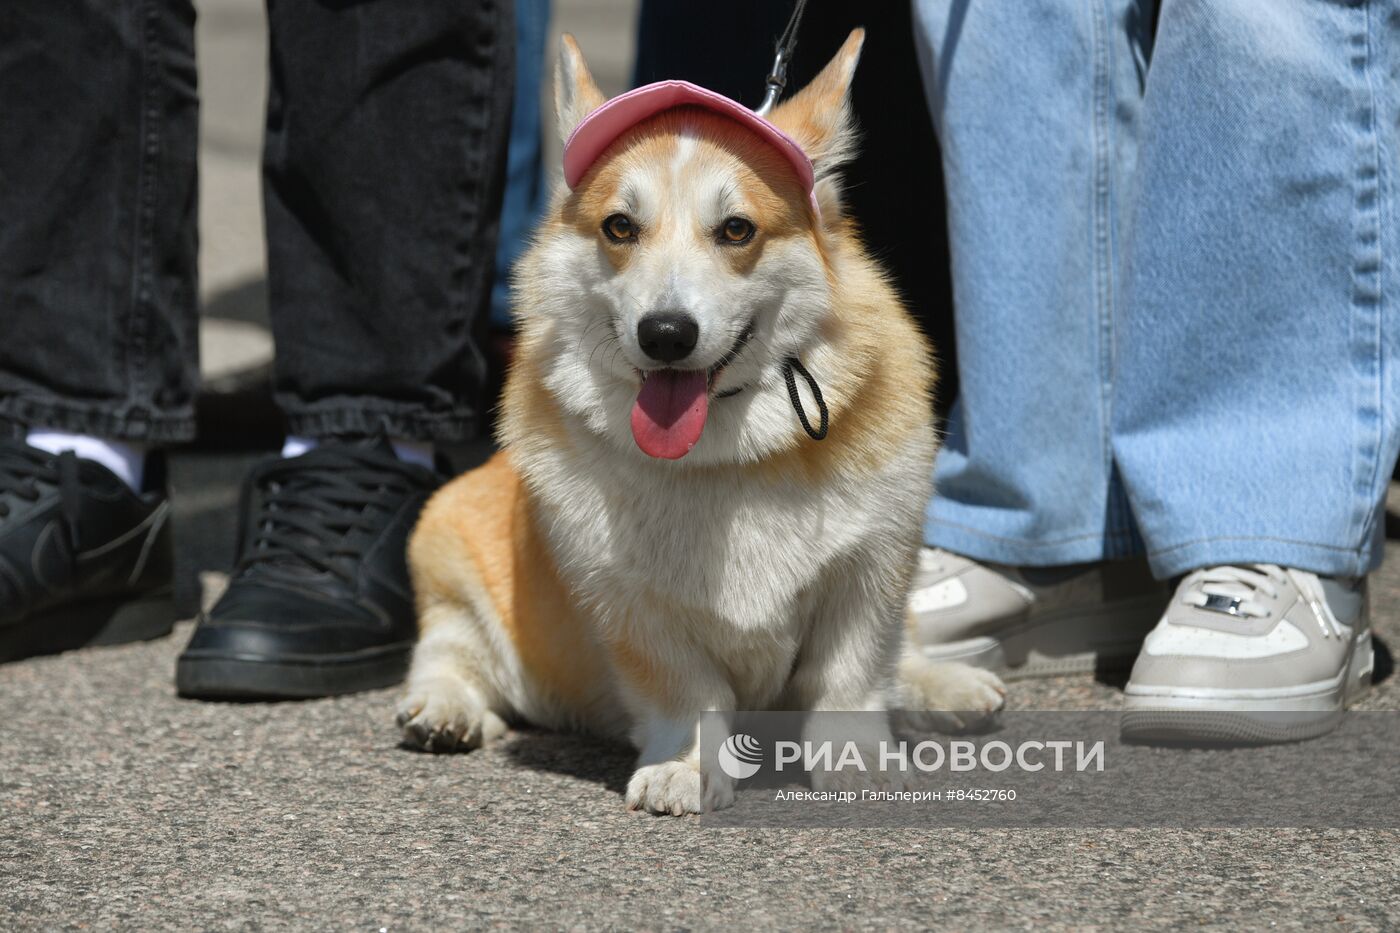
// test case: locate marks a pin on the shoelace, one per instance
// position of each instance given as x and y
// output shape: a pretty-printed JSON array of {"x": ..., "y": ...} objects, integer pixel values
[
  {"x": 1242, "y": 583},
  {"x": 24, "y": 468},
  {"x": 313, "y": 504}
]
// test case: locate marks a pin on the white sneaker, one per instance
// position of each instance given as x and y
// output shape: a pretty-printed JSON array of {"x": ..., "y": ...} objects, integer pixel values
[
  {"x": 1033, "y": 621},
  {"x": 1254, "y": 653}
]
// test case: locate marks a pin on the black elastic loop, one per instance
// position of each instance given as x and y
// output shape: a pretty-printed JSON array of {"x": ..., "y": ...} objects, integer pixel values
[{"x": 789, "y": 365}]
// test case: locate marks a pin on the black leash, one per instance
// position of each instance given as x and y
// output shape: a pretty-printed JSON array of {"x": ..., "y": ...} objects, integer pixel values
[
  {"x": 789, "y": 365},
  {"x": 776, "y": 82}
]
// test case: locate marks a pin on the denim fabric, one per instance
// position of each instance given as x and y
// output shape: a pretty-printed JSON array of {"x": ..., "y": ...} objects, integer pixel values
[
  {"x": 524, "y": 202},
  {"x": 383, "y": 163},
  {"x": 382, "y": 175},
  {"x": 1175, "y": 267},
  {"x": 98, "y": 195}
]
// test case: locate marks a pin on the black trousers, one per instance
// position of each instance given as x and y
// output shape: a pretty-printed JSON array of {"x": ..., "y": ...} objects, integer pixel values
[{"x": 387, "y": 123}]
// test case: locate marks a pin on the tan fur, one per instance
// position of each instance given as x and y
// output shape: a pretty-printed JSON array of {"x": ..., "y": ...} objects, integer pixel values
[
  {"x": 573, "y": 582},
  {"x": 485, "y": 519},
  {"x": 882, "y": 392}
]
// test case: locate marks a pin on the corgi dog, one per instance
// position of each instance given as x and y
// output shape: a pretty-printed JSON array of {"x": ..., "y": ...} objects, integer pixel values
[{"x": 662, "y": 534}]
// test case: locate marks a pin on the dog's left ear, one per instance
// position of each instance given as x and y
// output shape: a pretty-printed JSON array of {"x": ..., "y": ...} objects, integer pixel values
[
  {"x": 575, "y": 92},
  {"x": 819, "y": 116}
]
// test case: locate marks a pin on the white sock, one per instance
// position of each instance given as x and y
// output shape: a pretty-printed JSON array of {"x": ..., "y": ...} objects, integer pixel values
[
  {"x": 295, "y": 446},
  {"x": 417, "y": 452},
  {"x": 123, "y": 458}
]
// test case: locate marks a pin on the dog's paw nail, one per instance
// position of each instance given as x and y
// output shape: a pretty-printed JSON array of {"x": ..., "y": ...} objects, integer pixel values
[{"x": 447, "y": 714}]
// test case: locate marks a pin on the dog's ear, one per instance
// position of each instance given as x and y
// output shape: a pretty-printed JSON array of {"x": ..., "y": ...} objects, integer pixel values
[
  {"x": 819, "y": 116},
  {"x": 575, "y": 93}
]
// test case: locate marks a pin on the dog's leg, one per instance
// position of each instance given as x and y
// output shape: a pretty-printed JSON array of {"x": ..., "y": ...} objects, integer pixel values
[
  {"x": 845, "y": 667},
  {"x": 670, "y": 778},
  {"x": 855, "y": 660},
  {"x": 446, "y": 705},
  {"x": 944, "y": 696},
  {"x": 666, "y": 698}
]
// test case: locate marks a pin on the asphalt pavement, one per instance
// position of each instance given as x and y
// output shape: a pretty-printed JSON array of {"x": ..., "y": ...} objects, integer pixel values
[{"x": 122, "y": 806}]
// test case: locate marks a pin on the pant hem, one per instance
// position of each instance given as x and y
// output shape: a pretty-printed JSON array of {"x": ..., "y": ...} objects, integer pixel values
[
  {"x": 176, "y": 427},
  {"x": 394, "y": 421},
  {"x": 1327, "y": 559},
  {"x": 1019, "y": 552}
]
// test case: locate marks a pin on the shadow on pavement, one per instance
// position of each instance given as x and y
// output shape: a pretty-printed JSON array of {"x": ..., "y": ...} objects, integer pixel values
[
  {"x": 1115, "y": 676},
  {"x": 591, "y": 759},
  {"x": 1384, "y": 660}
]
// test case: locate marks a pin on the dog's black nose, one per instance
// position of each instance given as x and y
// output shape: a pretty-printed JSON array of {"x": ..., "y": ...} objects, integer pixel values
[{"x": 668, "y": 336}]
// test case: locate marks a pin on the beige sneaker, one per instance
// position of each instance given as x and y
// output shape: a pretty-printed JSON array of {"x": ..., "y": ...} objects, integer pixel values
[
  {"x": 1254, "y": 653},
  {"x": 1033, "y": 621}
]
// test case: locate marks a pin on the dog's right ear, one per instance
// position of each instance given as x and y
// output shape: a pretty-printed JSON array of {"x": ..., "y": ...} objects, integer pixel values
[
  {"x": 819, "y": 116},
  {"x": 575, "y": 93}
]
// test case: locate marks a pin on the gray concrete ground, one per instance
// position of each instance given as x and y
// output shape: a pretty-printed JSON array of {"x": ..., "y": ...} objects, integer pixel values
[{"x": 122, "y": 806}]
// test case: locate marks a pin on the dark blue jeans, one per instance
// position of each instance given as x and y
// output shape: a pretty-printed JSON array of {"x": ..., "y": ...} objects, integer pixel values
[{"x": 387, "y": 123}]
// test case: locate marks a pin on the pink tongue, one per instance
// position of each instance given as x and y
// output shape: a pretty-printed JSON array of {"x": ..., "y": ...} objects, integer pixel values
[{"x": 670, "y": 412}]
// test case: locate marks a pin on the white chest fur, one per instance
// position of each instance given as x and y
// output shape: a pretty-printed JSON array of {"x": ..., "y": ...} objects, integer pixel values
[{"x": 739, "y": 546}]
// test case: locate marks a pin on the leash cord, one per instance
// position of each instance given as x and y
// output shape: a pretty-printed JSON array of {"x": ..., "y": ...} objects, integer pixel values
[
  {"x": 776, "y": 81},
  {"x": 789, "y": 365},
  {"x": 788, "y": 40}
]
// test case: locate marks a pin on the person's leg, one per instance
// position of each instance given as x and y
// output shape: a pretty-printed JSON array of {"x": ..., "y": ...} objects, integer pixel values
[
  {"x": 1036, "y": 108},
  {"x": 98, "y": 350},
  {"x": 386, "y": 138},
  {"x": 524, "y": 198},
  {"x": 729, "y": 54},
  {"x": 383, "y": 170},
  {"x": 98, "y": 198},
  {"x": 1035, "y": 105},
  {"x": 1257, "y": 408},
  {"x": 1257, "y": 411}
]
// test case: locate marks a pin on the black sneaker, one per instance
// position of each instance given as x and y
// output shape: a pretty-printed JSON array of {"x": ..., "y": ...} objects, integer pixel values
[
  {"x": 320, "y": 602},
  {"x": 83, "y": 559}
]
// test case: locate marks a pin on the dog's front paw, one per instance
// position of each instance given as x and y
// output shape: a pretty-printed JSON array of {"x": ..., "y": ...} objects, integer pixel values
[
  {"x": 948, "y": 696},
  {"x": 677, "y": 788},
  {"x": 446, "y": 714}
]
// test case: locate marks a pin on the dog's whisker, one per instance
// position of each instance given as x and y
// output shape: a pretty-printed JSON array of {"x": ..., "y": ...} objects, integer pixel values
[
  {"x": 586, "y": 331},
  {"x": 617, "y": 349},
  {"x": 610, "y": 338}
]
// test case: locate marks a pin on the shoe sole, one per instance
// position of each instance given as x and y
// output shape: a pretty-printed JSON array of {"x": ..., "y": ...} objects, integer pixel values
[
  {"x": 1247, "y": 716},
  {"x": 1065, "y": 641},
  {"x": 220, "y": 677},
  {"x": 115, "y": 620}
]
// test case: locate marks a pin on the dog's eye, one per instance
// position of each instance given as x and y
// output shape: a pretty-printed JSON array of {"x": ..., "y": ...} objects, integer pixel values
[
  {"x": 619, "y": 227},
  {"x": 736, "y": 230}
]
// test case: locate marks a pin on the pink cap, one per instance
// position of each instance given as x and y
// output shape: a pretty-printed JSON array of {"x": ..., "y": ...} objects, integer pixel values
[{"x": 600, "y": 128}]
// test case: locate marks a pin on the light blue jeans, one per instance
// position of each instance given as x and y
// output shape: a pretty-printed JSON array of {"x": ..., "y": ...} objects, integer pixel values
[{"x": 1176, "y": 268}]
